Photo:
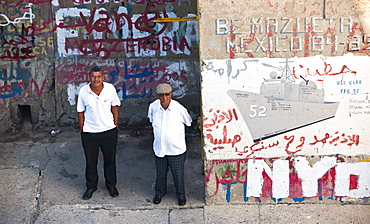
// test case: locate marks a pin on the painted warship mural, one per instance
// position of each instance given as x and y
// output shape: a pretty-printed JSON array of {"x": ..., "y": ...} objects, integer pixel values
[{"x": 282, "y": 105}]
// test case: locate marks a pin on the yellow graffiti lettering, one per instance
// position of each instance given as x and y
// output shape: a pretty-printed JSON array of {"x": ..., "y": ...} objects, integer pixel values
[
  {"x": 50, "y": 41},
  {"x": 36, "y": 50},
  {"x": 43, "y": 51},
  {"x": 41, "y": 42}
]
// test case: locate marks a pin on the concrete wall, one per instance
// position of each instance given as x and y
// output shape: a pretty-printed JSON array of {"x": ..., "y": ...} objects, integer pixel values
[
  {"x": 26, "y": 65},
  {"x": 285, "y": 100},
  {"x": 47, "y": 48}
]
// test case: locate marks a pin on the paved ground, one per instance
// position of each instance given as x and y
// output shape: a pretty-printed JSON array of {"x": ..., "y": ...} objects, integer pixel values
[{"x": 42, "y": 181}]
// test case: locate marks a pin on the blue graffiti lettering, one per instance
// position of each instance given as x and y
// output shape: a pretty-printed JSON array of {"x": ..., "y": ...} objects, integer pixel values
[
  {"x": 144, "y": 93},
  {"x": 145, "y": 73},
  {"x": 113, "y": 74},
  {"x": 20, "y": 73},
  {"x": 16, "y": 90}
]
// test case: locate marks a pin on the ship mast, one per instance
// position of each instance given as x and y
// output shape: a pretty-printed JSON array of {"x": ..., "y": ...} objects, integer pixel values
[{"x": 287, "y": 73}]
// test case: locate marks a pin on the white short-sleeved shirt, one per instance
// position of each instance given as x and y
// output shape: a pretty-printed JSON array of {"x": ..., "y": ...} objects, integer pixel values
[
  {"x": 168, "y": 128},
  {"x": 98, "y": 114}
]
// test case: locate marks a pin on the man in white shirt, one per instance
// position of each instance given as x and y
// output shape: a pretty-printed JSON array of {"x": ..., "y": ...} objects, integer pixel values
[
  {"x": 168, "y": 118},
  {"x": 97, "y": 108}
]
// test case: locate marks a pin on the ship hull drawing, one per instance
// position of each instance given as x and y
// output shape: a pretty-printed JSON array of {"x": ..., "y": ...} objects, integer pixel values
[
  {"x": 282, "y": 105},
  {"x": 269, "y": 117}
]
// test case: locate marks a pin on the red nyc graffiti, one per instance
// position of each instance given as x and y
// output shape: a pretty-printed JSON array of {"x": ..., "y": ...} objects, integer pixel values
[{"x": 329, "y": 177}]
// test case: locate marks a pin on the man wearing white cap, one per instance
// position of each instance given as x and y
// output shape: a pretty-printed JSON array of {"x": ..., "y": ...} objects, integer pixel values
[{"x": 168, "y": 118}]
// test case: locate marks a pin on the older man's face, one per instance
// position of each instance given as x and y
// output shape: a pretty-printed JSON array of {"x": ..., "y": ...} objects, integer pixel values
[
  {"x": 96, "y": 79},
  {"x": 165, "y": 99}
]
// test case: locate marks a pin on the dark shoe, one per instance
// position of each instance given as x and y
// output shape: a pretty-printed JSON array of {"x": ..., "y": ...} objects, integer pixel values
[
  {"x": 157, "y": 199},
  {"x": 182, "y": 200},
  {"x": 88, "y": 194},
  {"x": 113, "y": 191}
]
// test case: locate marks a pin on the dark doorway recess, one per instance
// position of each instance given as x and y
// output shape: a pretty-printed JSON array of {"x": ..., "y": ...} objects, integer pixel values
[{"x": 25, "y": 113}]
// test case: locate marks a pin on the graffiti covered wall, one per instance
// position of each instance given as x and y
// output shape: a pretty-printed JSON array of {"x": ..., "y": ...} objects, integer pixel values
[
  {"x": 138, "y": 43},
  {"x": 285, "y": 101},
  {"x": 26, "y": 65}
]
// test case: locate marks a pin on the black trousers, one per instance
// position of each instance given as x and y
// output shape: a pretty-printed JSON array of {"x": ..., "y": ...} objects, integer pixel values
[
  {"x": 107, "y": 142},
  {"x": 176, "y": 165}
]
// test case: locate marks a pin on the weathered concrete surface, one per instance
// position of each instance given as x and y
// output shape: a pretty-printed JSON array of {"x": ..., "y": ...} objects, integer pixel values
[
  {"x": 195, "y": 215},
  {"x": 100, "y": 215},
  {"x": 282, "y": 213},
  {"x": 46, "y": 174},
  {"x": 18, "y": 195},
  {"x": 84, "y": 215},
  {"x": 42, "y": 181},
  {"x": 235, "y": 33},
  {"x": 135, "y": 171},
  {"x": 363, "y": 8}
]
